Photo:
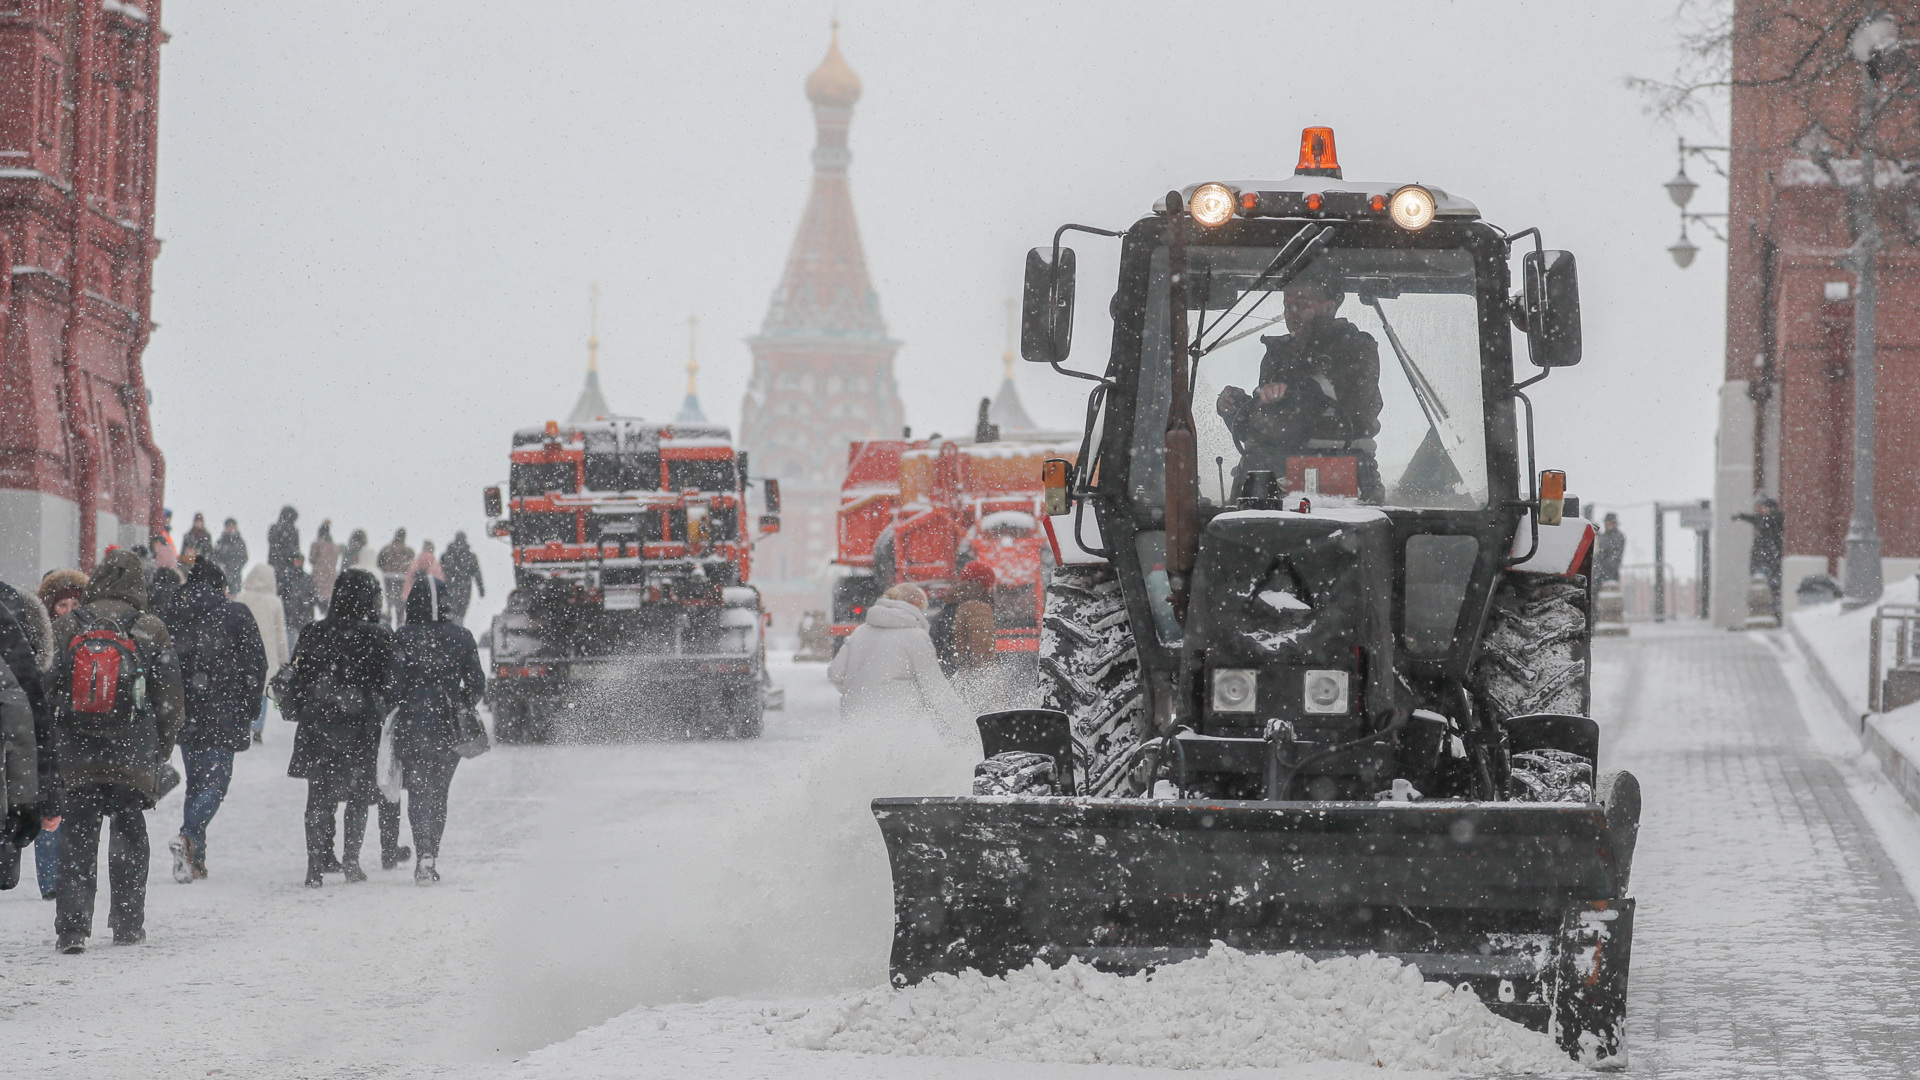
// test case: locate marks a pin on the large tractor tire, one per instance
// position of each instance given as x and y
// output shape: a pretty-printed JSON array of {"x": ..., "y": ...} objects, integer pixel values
[
  {"x": 1090, "y": 670},
  {"x": 1533, "y": 656}
]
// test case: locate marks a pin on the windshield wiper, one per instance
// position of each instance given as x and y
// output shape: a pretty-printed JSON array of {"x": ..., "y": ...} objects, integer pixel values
[
  {"x": 1430, "y": 402},
  {"x": 1294, "y": 257}
]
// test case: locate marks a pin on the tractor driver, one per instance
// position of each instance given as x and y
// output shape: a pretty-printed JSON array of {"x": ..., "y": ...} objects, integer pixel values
[{"x": 1319, "y": 390}]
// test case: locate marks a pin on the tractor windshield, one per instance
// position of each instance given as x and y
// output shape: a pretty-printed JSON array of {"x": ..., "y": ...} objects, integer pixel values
[{"x": 1357, "y": 378}]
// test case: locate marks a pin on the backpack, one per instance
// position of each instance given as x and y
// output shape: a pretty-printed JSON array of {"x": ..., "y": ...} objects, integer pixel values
[
  {"x": 106, "y": 682},
  {"x": 207, "y": 668}
]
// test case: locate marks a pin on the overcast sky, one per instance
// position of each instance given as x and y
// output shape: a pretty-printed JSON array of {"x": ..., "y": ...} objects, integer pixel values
[{"x": 381, "y": 220}]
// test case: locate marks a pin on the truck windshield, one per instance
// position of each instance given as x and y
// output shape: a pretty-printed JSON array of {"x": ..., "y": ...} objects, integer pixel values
[{"x": 1359, "y": 379}]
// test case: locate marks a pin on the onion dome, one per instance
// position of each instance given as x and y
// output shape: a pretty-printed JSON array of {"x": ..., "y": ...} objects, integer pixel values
[{"x": 833, "y": 82}]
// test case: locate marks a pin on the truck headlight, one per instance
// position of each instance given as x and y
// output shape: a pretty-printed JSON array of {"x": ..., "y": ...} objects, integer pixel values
[
  {"x": 1234, "y": 690},
  {"x": 1326, "y": 692}
]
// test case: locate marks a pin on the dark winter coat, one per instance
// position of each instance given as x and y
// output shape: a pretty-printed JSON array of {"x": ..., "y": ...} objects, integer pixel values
[
  {"x": 462, "y": 568},
  {"x": 197, "y": 538},
  {"x": 126, "y": 757},
  {"x": 339, "y": 689},
  {"x": 19, "y": 655},
  {"x": 297, "y": 597},
  {"x": 283, "y": 539},
  {"x": 223, "y": 666},
  {"x": 162, "y": 587},
  {"x": 436, "y": 673},
  {"x": 1609, "y": 549},
  {"x": 1769, "y": 540},
  {"x": 230, "y": 555}
]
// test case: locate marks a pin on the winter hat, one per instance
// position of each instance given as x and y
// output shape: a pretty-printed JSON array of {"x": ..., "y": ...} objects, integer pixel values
[
  {"x": 979, "y": 573},
  {"x": 206, "y": 572},
  {"x": 60, "y": 585},
  {"x": 912, "y": 594}
]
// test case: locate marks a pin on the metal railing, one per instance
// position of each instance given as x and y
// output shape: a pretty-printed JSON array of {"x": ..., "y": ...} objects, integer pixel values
[
  {"x": 1905, "y": 642},
  {"x": 1642, "y": 600}
]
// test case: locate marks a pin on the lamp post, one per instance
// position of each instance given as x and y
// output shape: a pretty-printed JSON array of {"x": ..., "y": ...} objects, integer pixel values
[
  {"x": 1876, "y": 35},
  {"x": 1680, "y": 189}
]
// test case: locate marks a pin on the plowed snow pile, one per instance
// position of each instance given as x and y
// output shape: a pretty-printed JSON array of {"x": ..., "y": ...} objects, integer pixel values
[{"x": 1225, "y": 1010}]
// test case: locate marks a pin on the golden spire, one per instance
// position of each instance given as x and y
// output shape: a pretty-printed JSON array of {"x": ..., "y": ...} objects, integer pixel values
[
  {"x": 593, "y": 327},
  {"x": 693, "y": 362},
  {"x": 833, "y": 82}
]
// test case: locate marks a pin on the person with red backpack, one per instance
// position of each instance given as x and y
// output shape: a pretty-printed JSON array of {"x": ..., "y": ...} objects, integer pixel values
[{"x": 118, "y": 707}]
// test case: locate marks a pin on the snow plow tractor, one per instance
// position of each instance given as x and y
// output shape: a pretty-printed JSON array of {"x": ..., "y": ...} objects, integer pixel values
[
  {"x": 632, "y": 612},
  {"x": 1315, "y": 653}
]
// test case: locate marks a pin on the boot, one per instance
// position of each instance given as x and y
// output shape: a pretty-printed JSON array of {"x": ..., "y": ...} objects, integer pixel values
[
  {"x": 353, "y": 872},
  {"x": 130, "y": 937},
  {"x": 423, "y": 871},
  {"x": 391, "y": 859},
  {"x": 316, "y": 866},
  {"x": 71, "y": 942},
  {"x": 330, "y": 864}
]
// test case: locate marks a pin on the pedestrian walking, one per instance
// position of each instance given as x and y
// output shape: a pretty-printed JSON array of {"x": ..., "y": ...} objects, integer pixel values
[
  {"x": 1769, "y": 544},
  {"x": 283, "y": 539},
  {"x": 262, "y": 597},
  {"x": 437, "y": 678},
  {"x": 394, "y": 560},
  {"x": 230, "y": 552},
  {"x": 323, "y": 563},
  {"x": 1609, "y": 550},
  {"x": 350, "y": 555},
  {"x": 462, "y": 568},
  {"x": 975, "y": 660},
  {"x": 297, "y": 597},
  {"x": 223, "y": 670},
  {"x": 164, "y": 576},
  {"x": 424, "y": 564},
  {"x": 198, "y": 540},
  {"x": 59, "y": 593},
  {"x": 887, "y": 669},
  {"x": 110, "y": 744},
  {"x": 337, "y": 692},
  {"x": 30, "y": 782}
]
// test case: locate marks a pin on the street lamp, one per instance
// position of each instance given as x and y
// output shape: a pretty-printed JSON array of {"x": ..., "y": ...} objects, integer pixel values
[
  {"x": 1680, "y": 189},
  {"x": 1876, "y": 36}
]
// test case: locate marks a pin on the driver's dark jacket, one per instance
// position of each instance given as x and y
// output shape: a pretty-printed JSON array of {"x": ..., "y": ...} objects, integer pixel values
[{"x": 1333, "y": 390}]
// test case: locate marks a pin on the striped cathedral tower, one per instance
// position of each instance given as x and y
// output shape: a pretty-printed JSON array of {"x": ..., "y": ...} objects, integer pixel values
[{"x": 822, "y": 364}]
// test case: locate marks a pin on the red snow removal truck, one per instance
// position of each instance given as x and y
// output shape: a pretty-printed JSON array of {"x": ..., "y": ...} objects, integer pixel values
[
  {"x": 632, "y": 611},
  {"x": 919, "y": 511}
]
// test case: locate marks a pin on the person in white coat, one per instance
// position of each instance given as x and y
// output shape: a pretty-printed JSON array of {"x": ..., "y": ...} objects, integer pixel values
[
  {"x": 261, "y": 595},
  {"x": 887, "y": 670}
]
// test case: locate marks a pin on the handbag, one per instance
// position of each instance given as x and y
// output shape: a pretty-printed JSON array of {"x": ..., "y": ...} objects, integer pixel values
[
  {"x": 392, "y": 777},
  {"x": 469, "y": 734}
]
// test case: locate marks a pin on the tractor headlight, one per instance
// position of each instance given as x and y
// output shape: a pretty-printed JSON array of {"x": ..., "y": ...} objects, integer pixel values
[
  {"x": 1234, "y": 690},
  {"x": 1211, "y": 204},
  {"x": 1411, "y": 208},
  {"x": 1326, "y": 691}
]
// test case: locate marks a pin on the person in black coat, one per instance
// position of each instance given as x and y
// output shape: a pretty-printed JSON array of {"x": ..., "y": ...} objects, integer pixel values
[
  {"x": 337, "y": 689},
  {"x": 462, "y": 568},
  {"x": 283, "y": 539},
  {"x": 437, "y": 675},
  {"x": 223, "y": 669},
  {"x": 230, "y": 552}
]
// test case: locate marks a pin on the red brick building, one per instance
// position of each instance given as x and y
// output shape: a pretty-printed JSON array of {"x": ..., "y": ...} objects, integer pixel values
[
  {"x": 822, "y": 364},
  {"x": 1786, "y": 409},
  {"x": 78, "y": 466}
]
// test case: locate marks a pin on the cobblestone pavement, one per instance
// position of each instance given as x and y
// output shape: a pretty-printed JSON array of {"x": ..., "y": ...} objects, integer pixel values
[{"x": 1773, "y": 936}]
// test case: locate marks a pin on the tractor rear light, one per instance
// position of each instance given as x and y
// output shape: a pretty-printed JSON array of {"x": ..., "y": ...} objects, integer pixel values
[
  {"x": 1315, "y": 201},
  {"x": 1378, "y": 204},
  {"x": 1234, "y": 690},
  {"x": 1249, "y": 201},
  {"x": 1412, "y": 208},
  {"x": 1211, "y": 204},
  {"x": 1326, "y": 692}
]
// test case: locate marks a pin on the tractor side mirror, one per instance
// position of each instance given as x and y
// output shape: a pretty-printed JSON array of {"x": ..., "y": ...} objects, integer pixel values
[
  {"x": 1046, "y": 307},
  {"x": 491, "y": 498},
  {"x": 1552, "y": 304}
]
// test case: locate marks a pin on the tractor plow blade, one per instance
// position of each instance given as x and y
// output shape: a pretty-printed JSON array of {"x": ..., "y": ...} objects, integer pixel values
[{"x": 1520, "y": 902}]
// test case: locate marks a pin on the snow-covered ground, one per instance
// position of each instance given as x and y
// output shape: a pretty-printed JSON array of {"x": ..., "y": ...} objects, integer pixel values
[{"x": 723, "y": 910}]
